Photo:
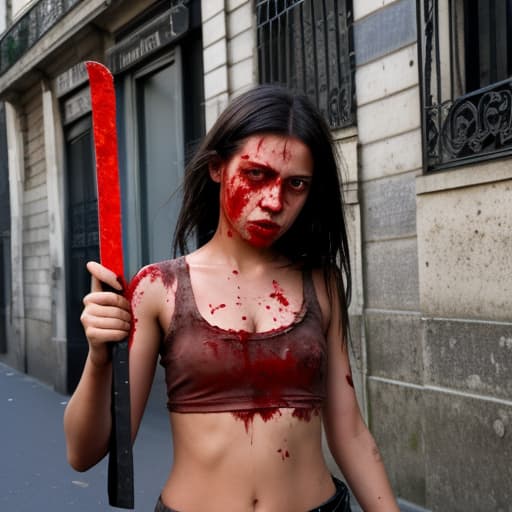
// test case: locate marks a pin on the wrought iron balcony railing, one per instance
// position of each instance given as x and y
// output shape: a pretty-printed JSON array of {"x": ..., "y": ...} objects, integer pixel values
[
  {"x": 30, "y": 28},
  {"x": 474, "y": 126},
  {"x": 458, "y": 128}
]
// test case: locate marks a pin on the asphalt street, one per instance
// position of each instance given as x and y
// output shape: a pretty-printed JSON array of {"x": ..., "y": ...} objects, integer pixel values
[{"x": 34, "y": 473}]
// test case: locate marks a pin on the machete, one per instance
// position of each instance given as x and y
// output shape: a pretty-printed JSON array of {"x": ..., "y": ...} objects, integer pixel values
[{"x": 103, "y": 102}]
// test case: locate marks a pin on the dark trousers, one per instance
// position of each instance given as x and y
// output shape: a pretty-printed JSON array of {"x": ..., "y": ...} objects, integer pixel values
[{"x": 339, "y": 502}]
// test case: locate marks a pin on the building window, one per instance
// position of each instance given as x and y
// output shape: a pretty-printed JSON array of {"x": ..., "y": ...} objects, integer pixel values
[
  {"x": 466, "y": 48},
  {"x": 307, "y": 46},
  {"x": 488, "y": 42}
]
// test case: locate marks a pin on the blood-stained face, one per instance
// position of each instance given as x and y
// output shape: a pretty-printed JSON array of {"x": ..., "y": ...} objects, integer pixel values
[{"x": 264, "y": 187}]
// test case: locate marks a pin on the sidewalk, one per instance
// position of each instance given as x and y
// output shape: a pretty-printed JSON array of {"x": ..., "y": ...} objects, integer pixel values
[{"x": 34, "y": 474}]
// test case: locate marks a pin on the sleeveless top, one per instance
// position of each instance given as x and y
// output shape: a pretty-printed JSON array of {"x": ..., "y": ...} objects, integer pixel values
[{"x": 211, "y": 369}]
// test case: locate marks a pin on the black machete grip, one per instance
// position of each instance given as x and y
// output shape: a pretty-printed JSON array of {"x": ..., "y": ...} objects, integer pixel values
[{"x": 120, "y": 460}]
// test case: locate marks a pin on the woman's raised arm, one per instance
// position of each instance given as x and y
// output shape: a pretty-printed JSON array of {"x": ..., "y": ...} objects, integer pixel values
[{"x": 107, "y": 317}]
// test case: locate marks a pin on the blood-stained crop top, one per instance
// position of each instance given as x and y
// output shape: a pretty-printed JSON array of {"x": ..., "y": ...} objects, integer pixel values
[{"x": 210, "y": 369}]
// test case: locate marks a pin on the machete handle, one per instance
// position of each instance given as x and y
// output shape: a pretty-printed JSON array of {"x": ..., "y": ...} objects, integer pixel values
[{"x": 120, "y": 459}]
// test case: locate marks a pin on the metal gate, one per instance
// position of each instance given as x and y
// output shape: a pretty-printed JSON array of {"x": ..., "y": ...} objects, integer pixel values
[{"x": 82, "y": 238}]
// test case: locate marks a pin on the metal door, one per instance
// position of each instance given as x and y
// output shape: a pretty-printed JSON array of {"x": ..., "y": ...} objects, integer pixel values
[{"x": 82, "y": 238}]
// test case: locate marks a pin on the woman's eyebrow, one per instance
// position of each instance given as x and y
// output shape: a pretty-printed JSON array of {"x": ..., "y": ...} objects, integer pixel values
[
  {"x": 261, "y": 165},
  {"x": 266, "y": 166}
]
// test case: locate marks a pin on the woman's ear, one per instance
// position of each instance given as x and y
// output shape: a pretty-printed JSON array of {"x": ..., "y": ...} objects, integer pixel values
[{"x": 215, "y": 169}]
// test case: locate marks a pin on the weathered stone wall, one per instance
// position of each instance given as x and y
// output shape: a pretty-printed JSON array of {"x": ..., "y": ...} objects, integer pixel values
[
  {"x": 437, "y": 287},
  {"x": 228, "y": 52},
  {"x": 389, "y": 128},
  {"x": 36, "y": 256},
  {"x": 465, "y": 242}
]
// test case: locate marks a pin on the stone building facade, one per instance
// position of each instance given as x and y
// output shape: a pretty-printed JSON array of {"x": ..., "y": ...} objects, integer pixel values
[{"x": 426, "y": 165}]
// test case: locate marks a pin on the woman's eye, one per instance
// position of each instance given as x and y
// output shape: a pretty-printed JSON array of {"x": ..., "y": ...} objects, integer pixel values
[
  {"x": 255, "y": 174},
  {"x": 298, "y": 184}
]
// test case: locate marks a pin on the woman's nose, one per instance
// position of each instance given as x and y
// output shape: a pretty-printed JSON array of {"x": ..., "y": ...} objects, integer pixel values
[{"x": 272, "y": 198}]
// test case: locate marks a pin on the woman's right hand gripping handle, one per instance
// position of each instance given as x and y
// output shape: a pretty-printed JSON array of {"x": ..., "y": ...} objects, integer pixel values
[
  {"x": 106, "y": 315},
  {"x": 87, "y": 419}
]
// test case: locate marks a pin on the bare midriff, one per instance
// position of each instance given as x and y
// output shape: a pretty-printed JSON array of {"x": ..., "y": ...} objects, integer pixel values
[{"x": 271, "y": 464}]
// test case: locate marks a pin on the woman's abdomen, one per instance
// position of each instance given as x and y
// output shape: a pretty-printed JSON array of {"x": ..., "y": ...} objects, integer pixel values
[{"x": 267, "y": 462}]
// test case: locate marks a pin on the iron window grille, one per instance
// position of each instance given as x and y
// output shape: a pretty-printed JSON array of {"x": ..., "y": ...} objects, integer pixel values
[
  {"x": 466, "y": 52},
  {"x": 307, "y": 46}
]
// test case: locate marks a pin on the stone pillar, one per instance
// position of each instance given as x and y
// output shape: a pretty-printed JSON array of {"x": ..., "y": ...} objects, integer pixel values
[
  {"x": 16, "y": 181},
  {"x": 55, "y": 189}
]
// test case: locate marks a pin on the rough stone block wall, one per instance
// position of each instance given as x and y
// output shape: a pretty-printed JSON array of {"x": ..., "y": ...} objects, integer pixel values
[
  {"x": 437, "y": 287},
  {"x": 36, "y": 252},
  {"x": 389, "y": 130},
  {"x": 465, "y": 294}
]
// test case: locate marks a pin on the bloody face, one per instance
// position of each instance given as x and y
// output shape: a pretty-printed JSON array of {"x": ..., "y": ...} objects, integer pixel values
[{"x": 264, "y": 187}]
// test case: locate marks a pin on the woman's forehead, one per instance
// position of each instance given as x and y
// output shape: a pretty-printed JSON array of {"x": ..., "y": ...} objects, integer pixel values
[
  {"x": 278, "y": 148},
  {"x": 270, "y": 142}
]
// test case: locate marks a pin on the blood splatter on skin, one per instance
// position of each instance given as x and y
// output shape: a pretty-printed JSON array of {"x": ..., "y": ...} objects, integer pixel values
[
  {"x": 278, "y": 294},
  {"x": 230, "y": 233},
  {"x": 286, "y": 153},
  {"x": 245, "y": 157},
  {"x": 213, "y": 309},
  {"x": 235, "y": 272},
  {"x": 160, "y": 271},
  {"x": 284, "y": 453},
  {"x": 305, "y": 414},
  {"x": 238, "y": 191},
  {"x": 248, "y": 416},
  {"x": 349, "y": 380}
]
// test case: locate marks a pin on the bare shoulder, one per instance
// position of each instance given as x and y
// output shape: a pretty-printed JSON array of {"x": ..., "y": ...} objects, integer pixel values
[{"x": 153, "y": 286}]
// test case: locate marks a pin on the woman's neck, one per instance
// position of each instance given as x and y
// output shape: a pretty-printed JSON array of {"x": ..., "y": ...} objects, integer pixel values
[{"x": 227, "y": 247}]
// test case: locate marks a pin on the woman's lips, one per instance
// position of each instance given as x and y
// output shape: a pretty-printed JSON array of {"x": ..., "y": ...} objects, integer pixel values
[{"x": 264, "y": 228}]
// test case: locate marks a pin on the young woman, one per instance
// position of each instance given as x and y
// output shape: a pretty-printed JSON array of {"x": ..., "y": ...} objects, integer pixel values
[{"x": 250, "y": 328}]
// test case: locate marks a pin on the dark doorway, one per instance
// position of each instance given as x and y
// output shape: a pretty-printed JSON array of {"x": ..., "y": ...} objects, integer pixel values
[{"x": 82, "y": 238}]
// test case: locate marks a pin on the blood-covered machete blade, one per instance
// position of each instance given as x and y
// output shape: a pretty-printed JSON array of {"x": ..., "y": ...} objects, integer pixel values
[{"x": 120, "y": 466}]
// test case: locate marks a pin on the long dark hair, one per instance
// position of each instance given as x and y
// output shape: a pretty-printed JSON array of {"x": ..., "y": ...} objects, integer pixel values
[{"x": 318, "y": 238}]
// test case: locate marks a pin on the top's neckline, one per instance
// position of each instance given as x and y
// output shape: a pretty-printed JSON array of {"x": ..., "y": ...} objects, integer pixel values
[{"x": 299, "y": 316}]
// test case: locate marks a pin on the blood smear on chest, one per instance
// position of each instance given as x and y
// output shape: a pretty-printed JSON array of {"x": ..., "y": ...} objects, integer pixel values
[{"x": 278, "y": 294}]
